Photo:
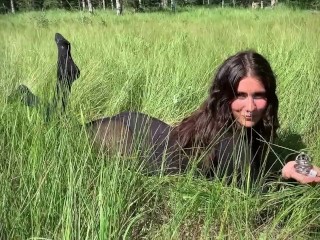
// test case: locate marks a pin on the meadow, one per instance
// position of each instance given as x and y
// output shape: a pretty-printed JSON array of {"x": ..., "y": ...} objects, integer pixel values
[{"x": 54, "y": 186}]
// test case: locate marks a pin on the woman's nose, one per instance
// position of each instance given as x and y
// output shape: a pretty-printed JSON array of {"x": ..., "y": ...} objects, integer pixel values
[{"x": 250, "y": 104}]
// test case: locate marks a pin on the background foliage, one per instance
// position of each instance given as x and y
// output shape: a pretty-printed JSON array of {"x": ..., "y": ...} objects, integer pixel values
[
  {"x": 146, "y": 5},
  {"x": 55, "y": 186}
]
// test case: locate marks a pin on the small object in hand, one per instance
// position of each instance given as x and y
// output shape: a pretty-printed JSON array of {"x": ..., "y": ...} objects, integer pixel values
[{"x": 304, "y": 165}]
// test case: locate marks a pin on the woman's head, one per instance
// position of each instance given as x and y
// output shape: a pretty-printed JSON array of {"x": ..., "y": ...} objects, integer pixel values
[
  {"x": 244, "y": 90},
  {"x": 250, "y": 103}
]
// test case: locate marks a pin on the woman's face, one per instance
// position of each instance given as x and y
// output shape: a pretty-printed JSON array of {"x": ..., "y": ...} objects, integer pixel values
[{"x": 250, "y": 102}]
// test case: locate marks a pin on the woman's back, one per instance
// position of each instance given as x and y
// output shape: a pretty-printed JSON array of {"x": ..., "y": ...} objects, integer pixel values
[{"x": 135, "y": 132}]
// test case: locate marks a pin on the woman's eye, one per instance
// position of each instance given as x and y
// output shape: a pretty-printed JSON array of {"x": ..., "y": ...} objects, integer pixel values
[{"x": 259, "y": 96}]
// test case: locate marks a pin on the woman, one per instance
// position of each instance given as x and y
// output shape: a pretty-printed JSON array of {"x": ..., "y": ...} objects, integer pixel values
[
  {"x": 226, "y": 136},
  {"x": 228, "y": 133}
]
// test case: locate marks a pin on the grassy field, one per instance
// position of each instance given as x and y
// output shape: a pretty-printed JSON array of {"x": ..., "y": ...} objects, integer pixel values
[{"x": 53, "y": 186}]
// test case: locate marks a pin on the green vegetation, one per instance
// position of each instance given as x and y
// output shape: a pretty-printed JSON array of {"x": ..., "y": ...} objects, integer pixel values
[{"x": 54, "y": 186}]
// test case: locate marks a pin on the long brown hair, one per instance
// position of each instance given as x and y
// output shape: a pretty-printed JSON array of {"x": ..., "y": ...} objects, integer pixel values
[{"x": 214, "y": 114}]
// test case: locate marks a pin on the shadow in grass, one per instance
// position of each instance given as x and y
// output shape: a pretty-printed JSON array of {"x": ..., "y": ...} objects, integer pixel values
[
  {"x": 3, "y": 232},
  {"x": 134, "y": 101},
  {"x": 290, "y": 144},
  {"x": 287, "y": 146}
]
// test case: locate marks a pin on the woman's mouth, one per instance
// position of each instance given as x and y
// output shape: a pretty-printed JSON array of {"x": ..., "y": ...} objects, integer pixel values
[{"x": 248, "y": 117}]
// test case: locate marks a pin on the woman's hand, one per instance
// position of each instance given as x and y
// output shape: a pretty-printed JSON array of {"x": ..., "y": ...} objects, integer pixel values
[{"x": 288, "y": 171}]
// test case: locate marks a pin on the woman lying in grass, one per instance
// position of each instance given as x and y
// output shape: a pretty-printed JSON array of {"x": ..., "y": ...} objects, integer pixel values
[
  {"x": 227, "y": 136},
  {"x": 229, "y": 133}
]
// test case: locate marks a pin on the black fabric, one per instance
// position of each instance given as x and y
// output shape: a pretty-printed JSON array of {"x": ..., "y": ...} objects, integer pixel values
[
  {"x": 238, "y": 154},
  {"x": 151, "y": 139},
  {"x": 67, "y": 70},
  {"x": 234, "y": 153}
]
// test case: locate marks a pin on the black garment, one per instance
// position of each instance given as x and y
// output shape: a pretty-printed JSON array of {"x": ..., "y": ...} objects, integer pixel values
[
  {"x": 238, "y": 154},
  {"x": 150, "y": 137},
  {"x": 235, "y": 152}
]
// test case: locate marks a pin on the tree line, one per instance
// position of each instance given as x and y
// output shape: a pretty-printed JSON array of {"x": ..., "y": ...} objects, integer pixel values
[{"x": 12, "y": 6}]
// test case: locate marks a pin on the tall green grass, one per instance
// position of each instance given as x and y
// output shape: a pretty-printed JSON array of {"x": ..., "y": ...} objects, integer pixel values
[{"x": 54, "y": 186}]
